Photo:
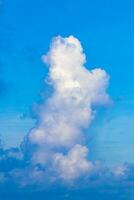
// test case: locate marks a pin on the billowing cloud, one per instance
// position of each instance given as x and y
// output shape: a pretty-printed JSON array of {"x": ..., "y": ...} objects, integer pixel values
[
  {"x": 58, "y": 137},
  {"x": 54, "y": 154},
  {"x": 73, "y": 164}
]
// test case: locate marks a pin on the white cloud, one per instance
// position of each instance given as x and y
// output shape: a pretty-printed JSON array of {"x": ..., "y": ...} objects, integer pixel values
[
  {"x": 120, "y": 170},
  {"x": 73, "y": 164},
  {"x": 69, "y": 110}
]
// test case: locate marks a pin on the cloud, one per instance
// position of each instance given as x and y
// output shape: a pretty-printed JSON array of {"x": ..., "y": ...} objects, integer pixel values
[
  {"x": 103, "y": 183},
  {"x": 53, "y": 155},
  {"x": 57, "y": 140},
  {"x": 73, "y": 164},
  {"x": 75, "y": 90}
]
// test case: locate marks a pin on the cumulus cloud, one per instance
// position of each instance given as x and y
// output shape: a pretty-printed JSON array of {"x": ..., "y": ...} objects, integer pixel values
[
  {"x": 73, "y": 164},
  {"x": 58, "y": 137},
  {"x": 54, "y": 153}
]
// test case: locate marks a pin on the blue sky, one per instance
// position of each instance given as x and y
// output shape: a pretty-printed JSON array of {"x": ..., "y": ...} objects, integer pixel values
[{"x": 105, "y": 30}]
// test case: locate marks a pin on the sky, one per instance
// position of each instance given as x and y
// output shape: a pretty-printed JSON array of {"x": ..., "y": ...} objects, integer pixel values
[{"x": 90, "y": 98}]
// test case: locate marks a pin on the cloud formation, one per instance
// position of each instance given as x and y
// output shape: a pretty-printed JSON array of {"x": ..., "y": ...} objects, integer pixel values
[
  {"x": 54, "y": 161},
  {"x": 58, "y": 137}
]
